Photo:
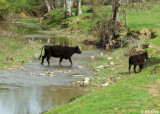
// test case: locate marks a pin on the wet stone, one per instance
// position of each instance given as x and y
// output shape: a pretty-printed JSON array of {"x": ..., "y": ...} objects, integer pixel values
[
  {"x": 77, "y": 75},
  {"x": 79, "y": 66},
  {"x": 101, "y": 54},
  {"x": 32, "y": 73},
  {"x": 50, "y": 75},
  {"x": 50, "y": 72},
  {"x": 92, "y": 57},
  {"x": 41, "y": 74}
]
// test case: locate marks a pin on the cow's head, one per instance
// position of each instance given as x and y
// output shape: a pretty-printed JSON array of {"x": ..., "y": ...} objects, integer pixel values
[
  {"x": 77, "y": 50},
  {"x": 145, "y": 55}
]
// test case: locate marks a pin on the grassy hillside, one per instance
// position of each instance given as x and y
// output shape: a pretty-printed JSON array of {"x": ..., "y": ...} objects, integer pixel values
[
  {"x": 56, "y": 19},
  {"x": 137, "y": 20},
  {"x": 126, "y": 93}
]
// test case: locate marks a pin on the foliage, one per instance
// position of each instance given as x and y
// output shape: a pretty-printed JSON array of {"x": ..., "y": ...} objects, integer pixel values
[
  {"x": 3, "y": 6},
  {"x": 33, "y": 7}
]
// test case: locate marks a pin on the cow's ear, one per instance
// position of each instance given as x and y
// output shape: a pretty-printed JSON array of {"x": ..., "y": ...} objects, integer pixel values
[{"x": 76, "y": 47}]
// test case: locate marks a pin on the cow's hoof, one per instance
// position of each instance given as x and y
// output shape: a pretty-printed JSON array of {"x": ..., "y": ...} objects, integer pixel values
[
  {"x": 48, "y": 65},
  {"x": 41, "y": 63}
]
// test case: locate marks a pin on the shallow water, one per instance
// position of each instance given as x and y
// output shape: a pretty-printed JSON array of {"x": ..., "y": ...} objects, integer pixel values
[{"x": 23, "y": 91}]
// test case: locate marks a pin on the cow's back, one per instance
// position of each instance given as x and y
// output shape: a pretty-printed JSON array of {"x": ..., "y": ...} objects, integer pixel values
[
  {"x": 61, "y": 51},
  {"x": 136, "y": 59}
]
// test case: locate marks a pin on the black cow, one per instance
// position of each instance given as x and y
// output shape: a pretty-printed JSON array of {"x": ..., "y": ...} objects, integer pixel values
[
  {"x": 59, "y": 51},
  {"x": 137, "y": 60}
]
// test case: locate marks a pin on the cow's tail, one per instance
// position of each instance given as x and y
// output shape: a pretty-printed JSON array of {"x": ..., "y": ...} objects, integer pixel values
[{"x": 41, "y": 52}]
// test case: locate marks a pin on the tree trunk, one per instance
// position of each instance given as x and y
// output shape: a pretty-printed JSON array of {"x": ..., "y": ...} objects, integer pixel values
[
  {"x": 68, "y": 12},
  {"x": 52, "y": 4},
  {"x": 124, "y": 10},
  {"x": 62, "y": 3},
  {"x": 94, "y": 8},
  {"x": 47, "y": 5},
  {"x": 116, "y": 10},
  {"x": 78, "y": 10}
]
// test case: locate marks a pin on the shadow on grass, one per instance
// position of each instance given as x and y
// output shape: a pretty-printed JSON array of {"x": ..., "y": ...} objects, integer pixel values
[{"x": 124, "y": 73}]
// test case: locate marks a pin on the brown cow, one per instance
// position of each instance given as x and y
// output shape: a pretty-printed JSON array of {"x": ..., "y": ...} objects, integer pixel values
[
  {"x": 59, "y": 51},
  {"x": 137, "y": 60}
]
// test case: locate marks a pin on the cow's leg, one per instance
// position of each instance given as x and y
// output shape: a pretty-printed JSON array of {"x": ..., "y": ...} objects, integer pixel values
[
  {"x": 129, "y": 68},
  {"x": 48, "y": 58},
  {"x": 43, "y": 57},
  {"x": 135, "y": 68},
  {"x": 60, "y": 60},
  {"x": 140, "y": 67},
  {"x": 70, "y": 61}
]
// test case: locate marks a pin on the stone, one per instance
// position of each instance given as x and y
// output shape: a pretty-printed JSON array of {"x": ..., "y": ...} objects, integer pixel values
[
  {"x": 79, "y": 66},
  {"x": 41, "y": 74},
  {"x": 100, "y": 67},
  {"x": 59, "y": 71},
  {"x": 101, "y": 54},
  {"x": 32, "y": 73},
  {"x": 109, "y": 58},
  {"x": 50, "y": 75},
  {"x": 77, "y": 75},
  {"x": 65, "y": 72},
  {"x": 86, "y": 81},
  {"x": 111, "y": 63},
  {"x": 50, "y": 72},
  {"x": 69, "y": 71},
  {"x": 92, "y": 57},
  {"x": 105, "y": 84}
]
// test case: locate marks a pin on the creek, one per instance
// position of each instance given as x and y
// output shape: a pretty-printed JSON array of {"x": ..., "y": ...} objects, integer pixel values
[{"x": 24, "y": 91}]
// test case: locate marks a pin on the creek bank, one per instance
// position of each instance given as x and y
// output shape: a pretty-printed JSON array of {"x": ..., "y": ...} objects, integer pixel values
[
  {"x": 112, "y": 84},
  {"x": 18, "y": 51}
]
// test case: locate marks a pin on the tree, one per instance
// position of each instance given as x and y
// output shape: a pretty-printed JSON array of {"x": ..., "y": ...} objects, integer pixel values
[
  {"x": 68, "y": 12},
  {"x": 116, "y": 10},
  {"x": 47, "y": 5},
  {"x": 62, "y": 3},
  {"x": 79, "y": 10}
]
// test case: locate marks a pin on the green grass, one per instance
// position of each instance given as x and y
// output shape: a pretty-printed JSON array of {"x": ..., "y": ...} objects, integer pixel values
[
  {"x": 18, "y": 49},
  {"x": 144, "y": 18},
  {"x": 33, "y": 20},
  {"x": 129, "y": 95},
  {"x": 56, "y": 19},
  {"x": 155, "y": 41}
]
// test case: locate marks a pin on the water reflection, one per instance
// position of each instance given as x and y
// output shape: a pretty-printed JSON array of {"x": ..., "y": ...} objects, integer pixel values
[{"x": 34, "y": 100}]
